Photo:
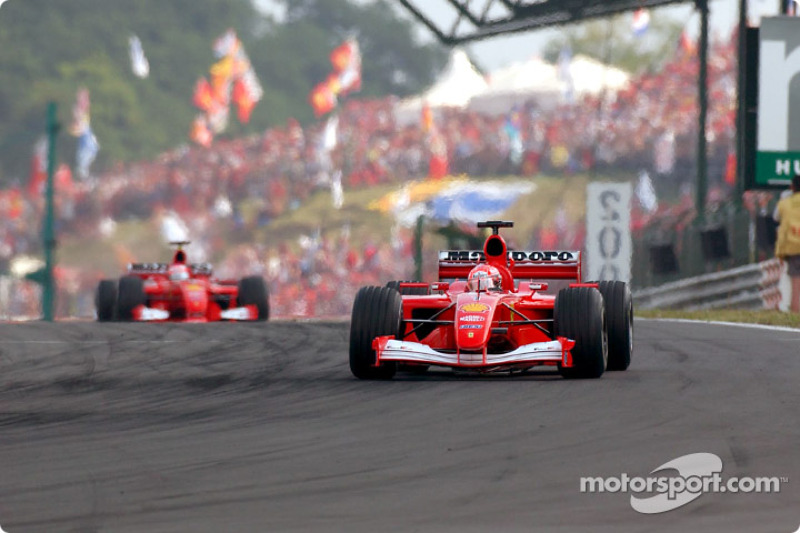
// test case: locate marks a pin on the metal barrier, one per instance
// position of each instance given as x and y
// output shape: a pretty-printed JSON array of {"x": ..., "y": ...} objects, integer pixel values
[{"x": 753, "y": 286}]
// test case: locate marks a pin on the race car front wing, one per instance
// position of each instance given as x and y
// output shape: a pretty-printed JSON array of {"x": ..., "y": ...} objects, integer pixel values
[
  {"x": 153, "y": 314},
  {"x": 387, "y": 348}
]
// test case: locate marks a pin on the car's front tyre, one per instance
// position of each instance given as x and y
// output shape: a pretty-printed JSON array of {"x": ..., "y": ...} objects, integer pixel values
[
  {"x": 377, "y": 311},
  {"x": 253, "y": 291},
  {"x": 130, "y": 296},
  {"x": 106, "y": 300}
]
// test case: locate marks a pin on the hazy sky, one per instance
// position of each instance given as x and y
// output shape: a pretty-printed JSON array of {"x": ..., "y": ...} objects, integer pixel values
[{"x": 500, "y": 51}]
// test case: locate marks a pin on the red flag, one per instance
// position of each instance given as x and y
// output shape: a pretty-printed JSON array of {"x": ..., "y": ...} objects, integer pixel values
[
  {"x": 341, "y": 56},
  {"x": 203, "y": 97},
  {"x": 38, "y": 175},
  {"x": 221, "y": 74},
  {"x": 438, "y": 164},
  {"x": 730, "y": 169},
  {"x": 242, "y": 99},
  {"x": 16, "y": 207},
  {"x": 63, "y": 179},
  {"x": 346, "y": 61},
  {"x": 427, "y": 118},
  {"x": 687, "y": 45},
  {"x": 200, "y": 132},
  {"x": 323, "y": 98}
]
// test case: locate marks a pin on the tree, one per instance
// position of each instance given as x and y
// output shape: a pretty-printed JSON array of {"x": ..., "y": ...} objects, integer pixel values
[
  {"x": 294, "y": 55},
  {"x": 612, "y": 41},
  {"x": 49, "y": 50}
]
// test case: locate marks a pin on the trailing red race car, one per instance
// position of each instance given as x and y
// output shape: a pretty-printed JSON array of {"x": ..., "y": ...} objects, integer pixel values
[
  {"x": 489, "y": 314},
  {"x": 180, "y": 291}
]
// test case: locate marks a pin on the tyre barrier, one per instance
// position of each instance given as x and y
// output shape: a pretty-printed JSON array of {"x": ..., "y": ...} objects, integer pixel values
[{"x": 753, "y": 286}]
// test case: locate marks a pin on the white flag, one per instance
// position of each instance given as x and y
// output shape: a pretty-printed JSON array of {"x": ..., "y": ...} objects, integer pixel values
[
  {"x": 139, "y": 63},
  {"x": 646, "y": 193},
  {"x": 330, "y": 134}
]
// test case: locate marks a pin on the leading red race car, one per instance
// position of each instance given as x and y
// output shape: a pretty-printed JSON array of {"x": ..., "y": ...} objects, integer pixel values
[
  {"x": 492, "y": 315},
  {"x": 180, "y": 291}
]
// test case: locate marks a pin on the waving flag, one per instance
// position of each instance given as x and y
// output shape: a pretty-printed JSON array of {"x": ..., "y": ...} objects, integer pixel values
[
  {"x": 323, "y": 97},
  {"x": 565, "y": 73},
  {"x": 200, "y": 132},
  {"x": 139, "y": 64},
  {"x": 427, "y": 118},
  {"x": 346, "y": 61},
  {"x": 80, "y": 113},
  {"x": 686, "y": 45},
  {"x": 641, "y": 21},
  {"x": 38, "y": 174},
  {"x": 232, "y": 80},
  {"x": 87, "y": 152},
  {"x": 346, "y": 77},
  {"x": 81, "y": 128},
  {"x": 646, "y": 193},
  {"x": 512, "y": 127}
]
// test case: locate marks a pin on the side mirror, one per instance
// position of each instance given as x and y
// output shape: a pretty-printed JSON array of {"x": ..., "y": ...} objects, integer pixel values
[
  {"x": 537, "y": 286},
  {"x": 440, "y": 286}
]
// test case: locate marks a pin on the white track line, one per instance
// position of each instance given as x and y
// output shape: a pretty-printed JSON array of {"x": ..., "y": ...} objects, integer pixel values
[{"x": 721, "y": 323}]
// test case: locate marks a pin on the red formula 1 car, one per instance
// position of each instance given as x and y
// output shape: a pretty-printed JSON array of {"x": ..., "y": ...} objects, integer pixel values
[
  {"x": 180, "y": 291},
  {"x": 492, "y": 315}
]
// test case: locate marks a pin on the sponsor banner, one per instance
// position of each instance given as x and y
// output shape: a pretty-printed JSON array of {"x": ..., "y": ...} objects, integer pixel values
[
  {"x": 778, "y": 145},
  {"x": 476, "y": 256},
  {"x": 777, "y": 168}
]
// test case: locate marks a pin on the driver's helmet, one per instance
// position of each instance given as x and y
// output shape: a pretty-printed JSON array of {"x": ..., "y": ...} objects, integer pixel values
[
  {"x": 178, "y": 272},
  {"x": 484, "y": 278}
]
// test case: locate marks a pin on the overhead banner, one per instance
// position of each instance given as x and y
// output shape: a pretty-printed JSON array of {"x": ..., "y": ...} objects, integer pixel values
[
  {"x": 778, "y": 145},
  {"x": 609, "y": 247}
]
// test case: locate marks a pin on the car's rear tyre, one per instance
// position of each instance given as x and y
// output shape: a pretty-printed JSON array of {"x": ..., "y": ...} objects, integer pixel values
[
  {"x": 579, "y": 315},
  {"x": 619, "y": 322},
  {"x": 408, "y": 291},
  {"x": 105, "y": 300},
  {"x": 130, "y": 296},
  {"x": 253, "y": 291},
  {"x": 377, "y": 311}
]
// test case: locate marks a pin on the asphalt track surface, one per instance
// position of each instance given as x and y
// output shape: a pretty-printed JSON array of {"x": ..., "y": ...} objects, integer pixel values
[{"x": 261, "y": 428}]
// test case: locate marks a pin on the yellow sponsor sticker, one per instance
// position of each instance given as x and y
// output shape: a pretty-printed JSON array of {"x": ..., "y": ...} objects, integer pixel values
[{"x": 474, "y": 307}]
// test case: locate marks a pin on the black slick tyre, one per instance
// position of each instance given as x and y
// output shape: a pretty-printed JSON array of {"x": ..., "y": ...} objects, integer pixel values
[
  {"x": 105, "y": 300},
  {"x": 129, "y": 296},
  {"x": 619, "y": 322},
  {"x": 579, "y": 315},
  {"x": 377, "y": 311},
  {"x": 253, "y": 291}
]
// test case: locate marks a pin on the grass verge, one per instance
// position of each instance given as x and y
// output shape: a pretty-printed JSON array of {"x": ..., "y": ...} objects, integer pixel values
[{"x": 767, "y": 317}]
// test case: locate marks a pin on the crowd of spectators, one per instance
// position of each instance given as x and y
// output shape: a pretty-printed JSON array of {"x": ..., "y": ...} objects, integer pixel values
[{"x": 242, "y": 184}]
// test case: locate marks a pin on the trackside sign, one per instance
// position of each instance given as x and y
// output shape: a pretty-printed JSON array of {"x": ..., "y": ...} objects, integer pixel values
[
  {"x": 608, "y": 231},
  {"x": 778, "y": 147}
]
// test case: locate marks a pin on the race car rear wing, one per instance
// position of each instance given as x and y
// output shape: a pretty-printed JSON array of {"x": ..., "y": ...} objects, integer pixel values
[
  {"x": 197, "y": 269},
  {"x": 538, "y": 264}
]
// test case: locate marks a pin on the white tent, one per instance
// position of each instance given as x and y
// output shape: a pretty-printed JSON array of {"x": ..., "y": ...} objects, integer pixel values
[
  {"x": 457, "y": 84},
  {"x": 518, "y": 83},
  {"x": 590, "y": 76}
]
